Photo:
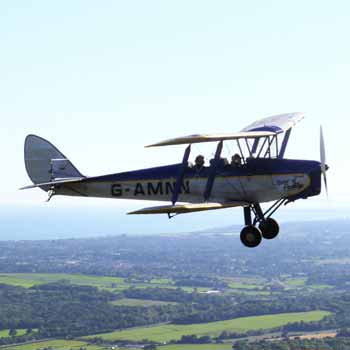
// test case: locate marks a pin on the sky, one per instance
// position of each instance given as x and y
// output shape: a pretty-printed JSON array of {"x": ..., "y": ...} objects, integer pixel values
[{"x": 103, "y": 79}]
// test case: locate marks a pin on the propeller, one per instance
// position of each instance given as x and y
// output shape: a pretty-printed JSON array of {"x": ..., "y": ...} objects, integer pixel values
[{"x": 324, "y": 166}]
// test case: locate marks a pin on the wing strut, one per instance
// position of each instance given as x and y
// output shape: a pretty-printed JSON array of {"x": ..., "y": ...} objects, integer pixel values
[
  {"x": 284, "y": 143},
  {"x": 212, "y": 174},
  {"x": 240, "y": 150},
  {"x": 255, "y": 145},
  {"x": 268, "y": 150},
  {"x": 180, "y": 175}
]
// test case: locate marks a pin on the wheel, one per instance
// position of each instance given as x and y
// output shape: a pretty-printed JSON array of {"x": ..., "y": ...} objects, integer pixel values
[
  {"x": 251, "y": 236},
  {"x": 269, "y": 228}
]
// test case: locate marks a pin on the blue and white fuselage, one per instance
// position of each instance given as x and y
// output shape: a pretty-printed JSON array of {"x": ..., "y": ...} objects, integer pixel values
[{"x": 259, "y": 180}]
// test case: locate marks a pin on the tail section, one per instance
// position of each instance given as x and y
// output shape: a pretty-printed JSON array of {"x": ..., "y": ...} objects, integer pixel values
[{"x": 45, "y": 163}]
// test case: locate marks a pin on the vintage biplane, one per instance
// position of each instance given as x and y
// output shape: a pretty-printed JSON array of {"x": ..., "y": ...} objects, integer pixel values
[{"x": 260, "y": 175}]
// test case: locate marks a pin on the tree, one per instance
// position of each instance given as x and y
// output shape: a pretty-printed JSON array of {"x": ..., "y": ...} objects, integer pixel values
[
  {"x": 12, "y": 332},
  {"x": 150, "y": 347}
]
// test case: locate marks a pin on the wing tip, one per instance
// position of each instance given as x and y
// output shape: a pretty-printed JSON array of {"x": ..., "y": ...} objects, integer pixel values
[{"x": 26, "y": 187}]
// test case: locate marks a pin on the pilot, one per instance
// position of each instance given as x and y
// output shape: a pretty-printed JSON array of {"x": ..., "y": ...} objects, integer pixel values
[
  {"x": 199, "y": 162},
  {"x": 236, "y": 160}
]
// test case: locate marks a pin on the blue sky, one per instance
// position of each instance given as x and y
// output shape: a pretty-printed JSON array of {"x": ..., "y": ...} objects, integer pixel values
[{"x": 102, "y": 79}]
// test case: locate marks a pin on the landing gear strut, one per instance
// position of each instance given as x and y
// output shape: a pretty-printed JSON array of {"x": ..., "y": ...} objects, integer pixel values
[{"x": 251, "y": 236}]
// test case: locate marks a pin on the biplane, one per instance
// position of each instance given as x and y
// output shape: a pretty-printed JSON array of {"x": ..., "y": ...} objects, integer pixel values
[{"x": 258, "y": 173}]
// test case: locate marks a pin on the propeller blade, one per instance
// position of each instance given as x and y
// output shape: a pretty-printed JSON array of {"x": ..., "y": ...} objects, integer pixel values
[{"x": 323, "y": 159}]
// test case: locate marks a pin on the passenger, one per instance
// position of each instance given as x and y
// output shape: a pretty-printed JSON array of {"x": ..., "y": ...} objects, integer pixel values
[
  {"x": 236, "y": 160},
  {"x": 199, "y": 162}
]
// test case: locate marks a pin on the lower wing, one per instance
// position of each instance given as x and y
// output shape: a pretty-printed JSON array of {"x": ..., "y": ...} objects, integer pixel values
[{"x": 187, "y": 208}]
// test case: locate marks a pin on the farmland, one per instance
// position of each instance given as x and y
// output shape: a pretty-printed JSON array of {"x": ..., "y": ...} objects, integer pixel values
[
  {"x": 165, "y": 333},
  {"x": 153, "y": 289},
  {"x": 5, "y": 332},
  {"x": 28, "y": 280},
  {"x": 59, "y": 344}
]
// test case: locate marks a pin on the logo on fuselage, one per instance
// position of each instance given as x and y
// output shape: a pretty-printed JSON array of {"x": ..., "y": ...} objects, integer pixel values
[
  {"x": 159, "y": 188},
  {"x": 291, "y": 183}
]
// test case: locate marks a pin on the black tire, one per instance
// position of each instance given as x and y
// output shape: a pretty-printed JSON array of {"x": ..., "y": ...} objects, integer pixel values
[
  {"x": 251, "y": 236},
  {"x": 269, "y": 228}
]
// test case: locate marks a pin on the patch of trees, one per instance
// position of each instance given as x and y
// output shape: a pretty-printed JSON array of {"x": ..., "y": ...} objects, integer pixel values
[
  {"x": 60, "y": 309},
  {"x": 163, "y": 294},
  {"x": 236, "y": 335},
  {"x": 328, "y": 322},
  {"x": 200, "y": 281},
  {"x": 335, "y": 275},
  {"x": 194, "y": 339}
]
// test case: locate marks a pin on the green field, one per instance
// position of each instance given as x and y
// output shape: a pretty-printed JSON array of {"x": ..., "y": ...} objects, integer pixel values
[
  {"x": 245, "y": 283},
  {"x": 5, "y": 332},
  {"x": 140, "y": 302},
  {"x": 59, "y": 344},
  {"x": 161, "y": 281},
  {"x": 103, "y": 282},
  {"x": 31, "y": 279},
  {"x": 320, "y": 286},
  {"x": 164, "y": 333},
  {"x": 301, "y": 282},
  {"x": 296, "y": 282},
  {"x": 249, "y": 292},
  {"x": 238, "y": 285}
]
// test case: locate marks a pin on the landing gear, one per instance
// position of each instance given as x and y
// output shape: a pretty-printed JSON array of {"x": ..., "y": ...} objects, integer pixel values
[
  {"x": 251, "y": 236},
  {"x": 269, "y": 228}
]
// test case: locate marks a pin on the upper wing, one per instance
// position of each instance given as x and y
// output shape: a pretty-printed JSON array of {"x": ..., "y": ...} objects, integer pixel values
[
  {"x": 214, "y": 137},
  {"x": 187, "y": 208},
  {"x": 269, "y": 126},
  {"x": 277, "y": 123}
]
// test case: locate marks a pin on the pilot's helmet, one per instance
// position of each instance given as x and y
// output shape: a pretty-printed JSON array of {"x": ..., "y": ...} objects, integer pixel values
[
  {"x": 236, "y": 158},
  {"x": 199, "y": 160}
]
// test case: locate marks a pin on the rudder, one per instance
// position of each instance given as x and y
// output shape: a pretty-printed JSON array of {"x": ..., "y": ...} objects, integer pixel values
[{"x": 45, "y": 163}]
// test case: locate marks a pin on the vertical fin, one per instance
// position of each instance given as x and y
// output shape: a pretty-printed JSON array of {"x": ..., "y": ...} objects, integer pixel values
[{"x": 44, "y": 162}]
